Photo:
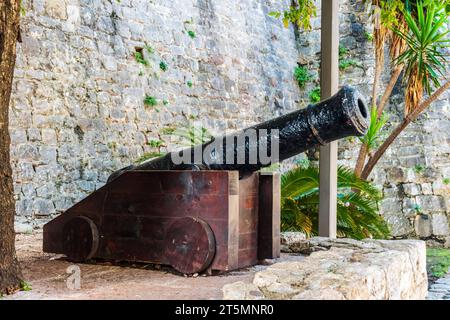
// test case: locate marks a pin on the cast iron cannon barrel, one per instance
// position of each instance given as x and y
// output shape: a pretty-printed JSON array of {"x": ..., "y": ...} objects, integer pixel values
[{"x": 345, "y": 114}]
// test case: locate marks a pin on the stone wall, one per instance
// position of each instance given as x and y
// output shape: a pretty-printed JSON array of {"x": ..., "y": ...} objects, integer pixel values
[
  {"x": 342, "y": 269},
  {"x": 77, "y": 112}
]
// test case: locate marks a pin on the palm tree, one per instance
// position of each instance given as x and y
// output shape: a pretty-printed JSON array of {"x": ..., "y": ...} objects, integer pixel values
[
  {"x": 390, "y": 17},
  {"x": 357, "y": 205},
  {"x": 424, "y": 62}
]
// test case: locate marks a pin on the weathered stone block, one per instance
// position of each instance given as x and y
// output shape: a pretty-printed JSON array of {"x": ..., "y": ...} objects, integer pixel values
[
  {"x": 343, "y": 270},
  {"x": 422, "y": 226},
  {"x": 440, "y": 225},
  {"x": 411, "y": 189},
  {"x": 43, "y": 207},
  {"x": 400, "y": 225},
  {"x": 426, "y": 188},
  {"x": 391, "y": 205},
  {"x": 431, "y": 203},
  {"x": 56, "y": 9}
]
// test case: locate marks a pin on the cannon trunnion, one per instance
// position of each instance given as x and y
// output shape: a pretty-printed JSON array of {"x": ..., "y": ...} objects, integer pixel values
[{"x": 191, "y": 220}]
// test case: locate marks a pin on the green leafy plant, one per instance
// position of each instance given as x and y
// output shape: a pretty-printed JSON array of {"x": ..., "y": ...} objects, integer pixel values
[
  {"x": 163, "y": 66},
  {"x": 419, "y": 50},
  {"x": 189, "y": 84},
  {"x": 343, "y": 51},
  {"x": 418, "y": 168},
  {"x": 191, "y": 34},
  {"x": 149, "y": 49},
  {"x": 141, "y": 73},
  {"x": 438, "y": 262},
  {"x": 446, "y": 181},
  {"x": 372, "y": 138},
  {"x": 165, "y": 102},
  {"x": 424, "y": 58},
  {"x": 23, "y": 11},
  {"x": 25, "y": 286},
  {"x": 140, "y": 58},
  {"x": 299, "y": 13},
  {"x": 357, "y": 204},
  {"x": 150, "y": 101},
  {"x": 302, "y": 75},
  {"x": 314, "y": 95},
  {"x": 191, "y": 135},
  {"x": 346, "y": 63},
  {"x": 156, "y": 143},
  {"x": 368, "y": 36},
  {"x": 417, "y": 208}
]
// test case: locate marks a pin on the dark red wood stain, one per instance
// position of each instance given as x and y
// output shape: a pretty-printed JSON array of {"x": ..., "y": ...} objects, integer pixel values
[{"x": 192, "y": 220}]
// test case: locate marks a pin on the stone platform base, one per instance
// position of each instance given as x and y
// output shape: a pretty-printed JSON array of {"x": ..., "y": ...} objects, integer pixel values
[{"x": 341, "y": 269}]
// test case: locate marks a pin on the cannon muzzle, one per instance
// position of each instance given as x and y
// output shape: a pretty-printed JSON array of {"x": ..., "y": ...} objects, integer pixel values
[{"x": 345, "y": 114}]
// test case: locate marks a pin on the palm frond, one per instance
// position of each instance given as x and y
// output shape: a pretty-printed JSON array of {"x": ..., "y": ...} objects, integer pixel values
[
  {"x": 426, "y": 38},
  {"x": 357, "y": 204}
]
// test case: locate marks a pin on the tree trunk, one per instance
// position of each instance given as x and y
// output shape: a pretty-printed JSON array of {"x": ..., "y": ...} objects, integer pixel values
[
  {"x": 387, "y": 92},
  {"x": 399, "y": 129},
  {"x": 361, "y": 159},
  {"x": 10, "y": 275}
]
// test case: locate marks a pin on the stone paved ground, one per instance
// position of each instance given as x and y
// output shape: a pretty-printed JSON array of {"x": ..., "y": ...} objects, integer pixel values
[
  {"x": 47, "y": 275},
  {"x": 440, "y": 290}
]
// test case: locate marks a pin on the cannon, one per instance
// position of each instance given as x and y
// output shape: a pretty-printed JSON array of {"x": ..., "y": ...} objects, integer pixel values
[{"x": 208, "y": 207}]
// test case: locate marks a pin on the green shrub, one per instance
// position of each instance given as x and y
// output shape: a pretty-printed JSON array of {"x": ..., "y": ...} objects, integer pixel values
[
  {"x": 189, "y": 84},
  {"x": 343, "y": 51},
  {"x": 25, "y": 286},
  {"x": 346, "y": 63},
  {"x": 357, "y": 204},
  {"x": 314, "y": 95},
  {"x": 150, "y": 101},
  {"x": 163, "y": 66},
  {"x": 191, "y": 34},
  {"x": 369, "y": 36},
  {"x": 302, "y": 76},
  {"x": 140, "y": 58},
  {"x": 156, "y": 143},
  {"x": 418, "y": 168}
]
